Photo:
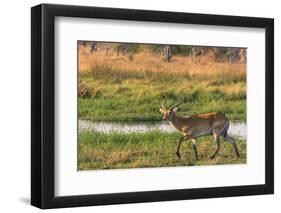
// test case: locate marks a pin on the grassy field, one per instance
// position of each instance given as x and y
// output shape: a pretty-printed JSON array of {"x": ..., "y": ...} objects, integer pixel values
[
  {"x": 152, "y": 149},
  {"x": 129, "y": 88},
  {"x": 118, "y": 89}
]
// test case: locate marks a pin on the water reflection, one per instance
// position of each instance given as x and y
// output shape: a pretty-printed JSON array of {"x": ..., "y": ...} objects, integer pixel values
[{"x": 237, "y": 129}]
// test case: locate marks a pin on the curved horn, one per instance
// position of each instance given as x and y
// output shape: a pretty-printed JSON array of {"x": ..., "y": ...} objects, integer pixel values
[
  {"x": 164, "y": 102},
  {"x": 172, "y": 107}
]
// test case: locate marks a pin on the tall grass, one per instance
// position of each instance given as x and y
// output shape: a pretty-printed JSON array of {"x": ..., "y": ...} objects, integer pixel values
[{"x": 153, "y": 62}]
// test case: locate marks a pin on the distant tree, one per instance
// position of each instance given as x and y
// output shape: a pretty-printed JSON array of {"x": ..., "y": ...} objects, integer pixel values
[
  {"x": 127, "y": 49},
  {"x": 82, "y": 43},
  {"x": 168, "y": 53},
  {"x": 232, "y": 54},
  {"x": 197, "y": 53},
  {"x": 156, "y": 48},
  {"x": 183, "y": 50},
  {"x": 243, "y": 55},
  {"x": 216, "y": 53},
  {"x": 93, "y": 47}
]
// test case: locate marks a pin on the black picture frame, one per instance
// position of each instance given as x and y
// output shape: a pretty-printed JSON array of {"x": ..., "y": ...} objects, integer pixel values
[{"x": 43, "y": 102}]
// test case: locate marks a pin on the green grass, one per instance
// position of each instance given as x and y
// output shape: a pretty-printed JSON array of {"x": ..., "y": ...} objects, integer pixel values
[
  {"x": 152, "y": 149},
  {"x": 137, "y": 96},
  {"x": 147, "y": 109}
]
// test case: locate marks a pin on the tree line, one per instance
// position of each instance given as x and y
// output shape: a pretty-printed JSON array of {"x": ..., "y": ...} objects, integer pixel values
[{"x": 219, "y": 54}]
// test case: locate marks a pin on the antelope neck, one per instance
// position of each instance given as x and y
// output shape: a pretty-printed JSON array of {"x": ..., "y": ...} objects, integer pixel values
[{"x": 176, "y": 122}]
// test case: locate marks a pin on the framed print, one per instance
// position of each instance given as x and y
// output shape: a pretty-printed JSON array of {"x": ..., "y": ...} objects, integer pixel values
[{"x": 139, "y": 106}]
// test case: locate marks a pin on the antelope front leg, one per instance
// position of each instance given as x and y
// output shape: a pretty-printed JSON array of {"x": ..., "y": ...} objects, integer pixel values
[{"x": 178, "y": 149}]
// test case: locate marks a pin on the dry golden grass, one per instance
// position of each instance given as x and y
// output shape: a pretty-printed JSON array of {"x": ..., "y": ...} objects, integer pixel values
[{"x": 147, "y": 61}]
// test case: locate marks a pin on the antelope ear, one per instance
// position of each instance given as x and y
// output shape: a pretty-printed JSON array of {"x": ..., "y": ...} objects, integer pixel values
[
  {"x": 161, "y": 110},
  {"x": 175, "y": 109}
]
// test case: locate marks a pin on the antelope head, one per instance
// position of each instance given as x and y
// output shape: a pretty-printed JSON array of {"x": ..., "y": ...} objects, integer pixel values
[{"x": 169, "y": 113}]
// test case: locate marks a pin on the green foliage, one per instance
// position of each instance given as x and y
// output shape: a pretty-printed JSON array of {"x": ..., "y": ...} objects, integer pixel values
[
  {"x": 155, "y": 47},
  {"x": 127, "y": 48},
  {"x": 181, "y": 50}
]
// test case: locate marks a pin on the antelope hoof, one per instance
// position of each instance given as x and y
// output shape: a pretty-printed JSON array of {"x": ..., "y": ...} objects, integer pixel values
[{"x": 178, "y": 154}]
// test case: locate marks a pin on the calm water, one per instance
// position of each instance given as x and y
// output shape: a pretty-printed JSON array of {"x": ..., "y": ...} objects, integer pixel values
[{"x": 237, "y": 129}]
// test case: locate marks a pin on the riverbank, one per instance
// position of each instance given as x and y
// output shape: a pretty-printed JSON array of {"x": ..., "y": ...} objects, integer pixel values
[{"x": 236, "y": 129}]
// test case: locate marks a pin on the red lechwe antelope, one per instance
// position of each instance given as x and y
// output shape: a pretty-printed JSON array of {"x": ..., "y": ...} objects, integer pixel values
[{"x": 195, "y": 126}]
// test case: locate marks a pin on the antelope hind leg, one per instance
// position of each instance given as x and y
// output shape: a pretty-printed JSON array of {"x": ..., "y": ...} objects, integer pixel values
[
  {"x": 217, "y": 139},
  {"x": 232, "y": 141},
  {"x": 195, "y": 149}
]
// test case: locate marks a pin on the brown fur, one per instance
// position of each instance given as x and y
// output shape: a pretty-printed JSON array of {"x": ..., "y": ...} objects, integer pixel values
[{"x": 195, "y": 126}]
